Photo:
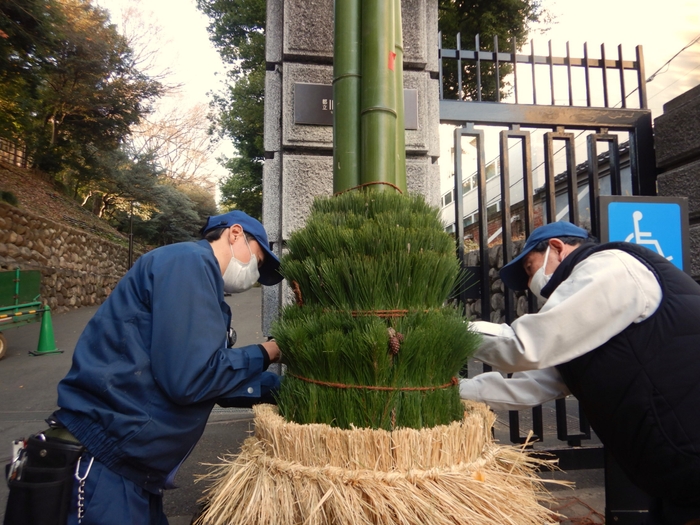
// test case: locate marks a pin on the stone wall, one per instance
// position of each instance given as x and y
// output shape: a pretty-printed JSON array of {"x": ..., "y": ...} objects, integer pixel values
[
  {"x": 677, "y": 145},
  {"x": 77, "y": 268},
  {"x": 497, "y": 289}
]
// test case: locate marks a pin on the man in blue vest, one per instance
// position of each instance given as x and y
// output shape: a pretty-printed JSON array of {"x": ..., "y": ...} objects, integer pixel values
[
  {"x": 150, "y": 366},
  {"x": 620, "y": 330}
]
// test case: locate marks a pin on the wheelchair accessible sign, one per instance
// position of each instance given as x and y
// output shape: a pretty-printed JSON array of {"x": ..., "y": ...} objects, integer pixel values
[{"x": 658, "y": 223}]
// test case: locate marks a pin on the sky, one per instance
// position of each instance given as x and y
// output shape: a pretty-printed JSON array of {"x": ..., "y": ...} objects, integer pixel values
[
  {"x": 662, "y": 28},
  {"x": 183, "y": 43},
  {"x": 178, "y": 34}
]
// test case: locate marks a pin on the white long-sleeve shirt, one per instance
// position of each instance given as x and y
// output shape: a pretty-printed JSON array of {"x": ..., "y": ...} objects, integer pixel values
[{"x": 604, "y": 294}]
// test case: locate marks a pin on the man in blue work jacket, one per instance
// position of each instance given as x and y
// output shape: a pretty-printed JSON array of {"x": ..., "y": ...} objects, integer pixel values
[{"x": 152, "y": 363}]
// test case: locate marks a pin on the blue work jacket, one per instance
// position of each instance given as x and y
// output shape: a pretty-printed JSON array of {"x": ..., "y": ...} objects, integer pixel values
[{"x": 153, "y": 361}]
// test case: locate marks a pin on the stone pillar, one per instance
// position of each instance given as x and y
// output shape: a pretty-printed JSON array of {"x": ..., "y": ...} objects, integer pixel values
[
  {"x": 677, "y": 144},
  {"x": 299, "y": 157}
]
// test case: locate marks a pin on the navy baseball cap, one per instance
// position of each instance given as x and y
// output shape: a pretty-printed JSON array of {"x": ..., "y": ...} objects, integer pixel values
[
  {"x": 269, "y": 274},
  {"x": 513, "y": 274}
]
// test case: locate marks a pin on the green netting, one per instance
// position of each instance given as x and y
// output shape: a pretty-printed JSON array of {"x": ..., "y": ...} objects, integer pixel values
[{"x": 29, "y": 287}]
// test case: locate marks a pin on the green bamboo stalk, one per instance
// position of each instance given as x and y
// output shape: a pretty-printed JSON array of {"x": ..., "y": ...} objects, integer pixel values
[
  {"x": 378, "y": 94},
  {"x": 346, "y": 95},
  {"x": 400, "y": 120}
]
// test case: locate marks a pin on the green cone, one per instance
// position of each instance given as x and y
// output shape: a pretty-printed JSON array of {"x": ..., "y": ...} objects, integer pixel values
[{"x": 47, "y": 343}]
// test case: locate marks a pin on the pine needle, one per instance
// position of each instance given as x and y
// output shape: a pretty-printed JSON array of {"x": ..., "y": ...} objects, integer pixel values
[{"x": 360, "y": 253}]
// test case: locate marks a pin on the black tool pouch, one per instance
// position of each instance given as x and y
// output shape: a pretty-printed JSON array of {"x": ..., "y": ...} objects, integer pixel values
[{"x": 41, "y": 487}]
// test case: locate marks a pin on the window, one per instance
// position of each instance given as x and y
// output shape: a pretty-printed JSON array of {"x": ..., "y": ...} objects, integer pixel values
[
  {"x": 492, "y": 170},
  {"x": 469, "y": 184},
  {"x": 493, "y": 209}
]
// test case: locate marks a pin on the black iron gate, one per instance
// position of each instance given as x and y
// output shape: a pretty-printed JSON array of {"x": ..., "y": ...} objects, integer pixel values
[{"x": 550, "y": 190}]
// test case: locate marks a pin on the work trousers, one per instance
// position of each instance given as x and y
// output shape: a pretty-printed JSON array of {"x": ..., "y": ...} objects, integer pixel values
[{"x": 110, "y": 499}]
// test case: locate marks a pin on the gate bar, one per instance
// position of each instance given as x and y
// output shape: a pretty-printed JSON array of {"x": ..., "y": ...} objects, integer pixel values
[
  {"x": 469, "y": 131},
  {"x": 549, "y": 171},
  {"x": 551, "y": 72},
  {"x": 605, "y": 76},
  {"x": 623, "y": 94},
  {"x": 586, "y": 67},
  {"x": 478, "y": 67},
  {"x": 593, "y": 173},
  {"x": 568, "y": 72},
  {"x": 490, "y": 113}
]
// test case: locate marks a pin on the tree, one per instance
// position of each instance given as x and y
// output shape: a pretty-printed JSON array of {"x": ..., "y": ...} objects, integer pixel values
[
  {"x": 179, "y": 143},
  {"x": 242, "y": 190},
  {"x": 73, "y": 89},
  {"x": 131, "y": 191},
  {"x": 506, "y": 19},
  {"x": 93, "y": 94},
  {"x": 241, "y": 118},
  {"x": 27, "y": 34},
  {"x": 237, "y": 29}
]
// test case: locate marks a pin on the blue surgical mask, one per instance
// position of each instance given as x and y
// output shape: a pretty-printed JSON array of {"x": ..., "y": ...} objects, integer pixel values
[{"x": 239, "y": 276}]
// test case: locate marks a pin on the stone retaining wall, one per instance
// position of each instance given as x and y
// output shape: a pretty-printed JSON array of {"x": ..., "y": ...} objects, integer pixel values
[
  {"x": 77, "y": 268},
  {"x": 497, "y": 289}
]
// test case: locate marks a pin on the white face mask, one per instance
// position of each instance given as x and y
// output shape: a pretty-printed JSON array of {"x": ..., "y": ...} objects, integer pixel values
[
  {"x": 239, "y": 276},
  {"x": 540, "y": 280}
]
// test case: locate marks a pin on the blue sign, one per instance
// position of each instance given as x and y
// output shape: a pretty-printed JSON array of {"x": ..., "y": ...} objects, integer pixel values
[{"x": 659, "y": 224}]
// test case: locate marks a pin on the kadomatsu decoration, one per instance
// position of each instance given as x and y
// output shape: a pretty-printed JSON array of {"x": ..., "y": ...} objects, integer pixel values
[{"x": 369, "y": 427}]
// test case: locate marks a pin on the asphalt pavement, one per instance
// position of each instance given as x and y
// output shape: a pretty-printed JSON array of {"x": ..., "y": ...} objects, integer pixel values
[{"x": 28, "y": 396}]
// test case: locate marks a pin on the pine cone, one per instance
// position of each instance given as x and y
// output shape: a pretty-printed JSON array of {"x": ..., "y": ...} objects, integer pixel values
[
  {"x": 297, "y": 293},
  {"x": 394, "y": 345}
]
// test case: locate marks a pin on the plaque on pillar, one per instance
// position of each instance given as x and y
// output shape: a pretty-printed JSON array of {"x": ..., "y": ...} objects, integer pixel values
[{"x": 313, "y": 105}]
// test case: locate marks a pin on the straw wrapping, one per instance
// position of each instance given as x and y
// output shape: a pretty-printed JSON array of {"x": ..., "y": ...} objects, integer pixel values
[{"x": 317, "y": 474}]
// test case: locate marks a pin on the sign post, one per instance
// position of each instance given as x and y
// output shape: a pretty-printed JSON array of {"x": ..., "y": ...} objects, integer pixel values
[{"x": 658, "y": 223}]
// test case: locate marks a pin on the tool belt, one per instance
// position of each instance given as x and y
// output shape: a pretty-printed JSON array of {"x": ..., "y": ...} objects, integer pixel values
[{"x": 41, "y": 478}]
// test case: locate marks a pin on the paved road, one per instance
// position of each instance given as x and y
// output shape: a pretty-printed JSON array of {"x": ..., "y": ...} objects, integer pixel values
[{"x": 28, "y": 395}]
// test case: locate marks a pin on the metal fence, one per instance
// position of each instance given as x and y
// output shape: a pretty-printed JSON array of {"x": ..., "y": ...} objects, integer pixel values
[
  {"x": 556, "y": 187},
  {"x": 14, "y": 154}
]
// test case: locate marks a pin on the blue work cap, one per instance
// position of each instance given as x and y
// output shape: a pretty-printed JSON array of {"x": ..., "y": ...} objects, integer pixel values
[
  {"x": 268, "y": 271},
  {"x": 513, "y": 274}
]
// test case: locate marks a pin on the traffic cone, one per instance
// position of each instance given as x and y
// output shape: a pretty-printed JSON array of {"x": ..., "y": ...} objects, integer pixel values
[{"x": 47, "y": 343}]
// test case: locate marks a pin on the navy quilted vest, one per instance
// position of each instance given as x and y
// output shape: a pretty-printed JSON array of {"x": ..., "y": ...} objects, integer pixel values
[{"x": 641, "y": 389}]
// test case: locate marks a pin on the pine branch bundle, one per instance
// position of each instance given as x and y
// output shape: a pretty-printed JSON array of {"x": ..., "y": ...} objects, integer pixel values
[
  {"x": 348, "y": 364},
  {"x": 335, "y": 347},
  {"x": 372, "y": 251}
]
